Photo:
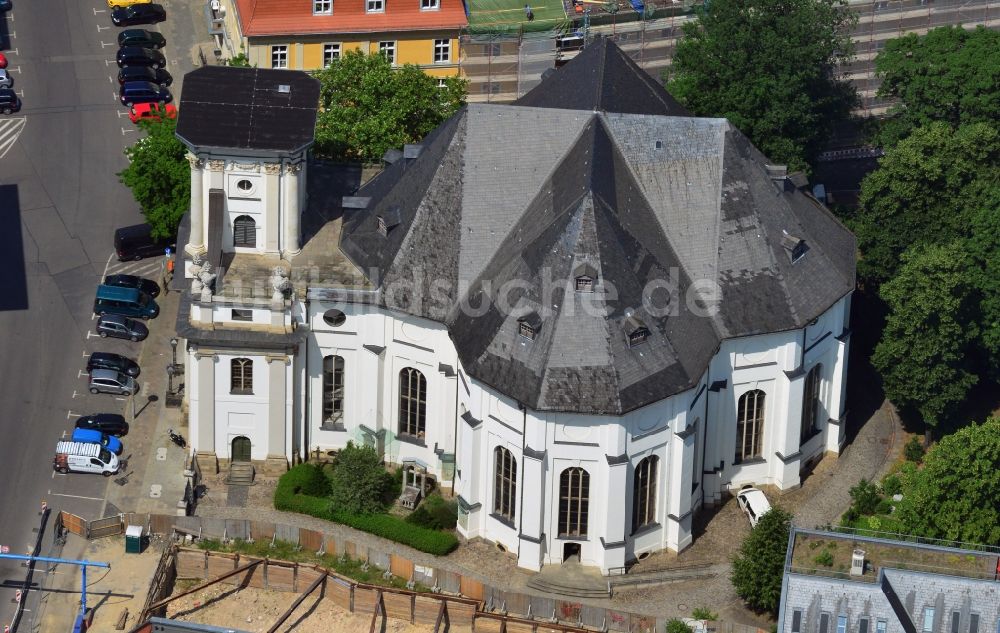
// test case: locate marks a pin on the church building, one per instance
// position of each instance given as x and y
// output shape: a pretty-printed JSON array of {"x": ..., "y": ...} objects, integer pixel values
[{"x": 586, "y": 314}]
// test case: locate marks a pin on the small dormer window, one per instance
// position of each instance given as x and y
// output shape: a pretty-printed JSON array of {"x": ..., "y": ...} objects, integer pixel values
[
  {"x": 526, "y": 330},
  {"x": 586, "y": 277},
  {"x": 635, "y": 331},
  {"x": 795, "y": 247},
  {"x": 529, "y": 325},
  {"x": 380, "y": 224},
  {"x": 638, "y": 337},
  {"x": 388, "y": 220}
]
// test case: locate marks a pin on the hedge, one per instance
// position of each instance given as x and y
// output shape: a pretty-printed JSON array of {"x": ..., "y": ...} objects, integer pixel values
[{"x": 287, "y": 497}]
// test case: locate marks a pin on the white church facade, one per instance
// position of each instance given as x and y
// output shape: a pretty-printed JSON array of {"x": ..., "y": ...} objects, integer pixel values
[{"x": 585, "y": 314}]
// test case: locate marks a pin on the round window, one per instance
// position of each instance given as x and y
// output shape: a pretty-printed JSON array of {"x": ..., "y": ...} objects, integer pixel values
[
  {"x": 334, "y": 318},
  {"x": 245, "y": 186}
]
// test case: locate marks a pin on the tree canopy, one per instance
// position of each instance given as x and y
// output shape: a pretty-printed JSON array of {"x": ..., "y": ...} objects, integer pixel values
[
  {"x": 927, "y": 188},
  {"x": 956, "y": 494},
  {"x": 367, "y": 106},
  {"x": 924, "y": 356},
  {"x": 760, "y": 563},
  {"x": 159, "y": 176},
  {"x": 769, "y": 67},
  {"x": 947, "y": 75}
]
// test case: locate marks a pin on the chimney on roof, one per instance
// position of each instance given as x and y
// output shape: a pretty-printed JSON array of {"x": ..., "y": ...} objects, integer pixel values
[
  {"x": 777, "y": 172},
  {"x": 858, "y": 563}
]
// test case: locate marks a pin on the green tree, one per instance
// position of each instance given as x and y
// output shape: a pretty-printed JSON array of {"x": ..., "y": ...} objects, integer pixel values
[
  {"x": 956, "y": 495},
  {"x": 240, "y": 60},
  {"x": 760, "y": 563},
  {"x": 359, "y": 482},
  {"x": 947, "y": 75},
  {"x": 769, "y": 67},
  {"x": 368, "y": 107},
  {"x": 924, "y": 354},
  {"x": 159, "y": 176},
  {"x": 927, "y": 189},
  {"x": 984, "y": 247}
]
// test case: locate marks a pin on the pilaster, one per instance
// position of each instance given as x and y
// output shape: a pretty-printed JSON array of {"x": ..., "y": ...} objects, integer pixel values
[
  {"x": 196, "y": 242},
  {"x": 203, "y": 427},
  {"x": 531, "y": 545},
  {"x": 277, "y": 368},
  {"x": 291, "y": 211}
]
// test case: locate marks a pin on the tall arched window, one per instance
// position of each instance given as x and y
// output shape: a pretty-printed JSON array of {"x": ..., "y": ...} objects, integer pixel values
[
  {"x": 245, "y": 232},
  {"x": 504, "y": 483},
  {"x": 750, "y": 426},
  {"x": 810, "y": 403},
  {"x": 574, "y": 501},
  {"x": 412, "y": 402},
  {"x": 241, "y": 375},
  {"x": 644, "y": 504},
  {"x": 333, "y": 390}
]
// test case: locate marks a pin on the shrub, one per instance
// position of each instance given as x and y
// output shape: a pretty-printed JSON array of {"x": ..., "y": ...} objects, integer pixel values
[
  {"x": 824, "y": 558},
  {"x": 849, "y": 517},
  {"x": 892, "y": 485},
  {"x": 703, "y": 613},
  {"x": 315, "y": 483},
  {"x": 436, "y": 513},
  {"x": 759, "y": 565},
  {"x": 678, "y": 626},
  {"x": 359, "y": 483},
  {"x": 865, "y": 497},
  {"x": 913, "y": 451},
  {"x": 884, "y": 506}
]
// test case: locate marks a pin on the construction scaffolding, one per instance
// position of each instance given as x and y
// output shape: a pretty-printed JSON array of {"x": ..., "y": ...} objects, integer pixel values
[{"x": 503, "y": 65}]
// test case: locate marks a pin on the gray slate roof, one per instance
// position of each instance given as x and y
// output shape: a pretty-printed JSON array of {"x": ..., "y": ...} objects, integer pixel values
[{"x": 512, "y": 196}]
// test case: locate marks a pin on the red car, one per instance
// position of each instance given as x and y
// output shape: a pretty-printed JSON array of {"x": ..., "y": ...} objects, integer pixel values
[
  {"x": 3, "y": 61},
  {"x": 151, "y": 112}
]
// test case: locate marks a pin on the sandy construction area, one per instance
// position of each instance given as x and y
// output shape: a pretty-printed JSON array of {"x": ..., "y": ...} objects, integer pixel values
[{"x": 256, "y": 610}]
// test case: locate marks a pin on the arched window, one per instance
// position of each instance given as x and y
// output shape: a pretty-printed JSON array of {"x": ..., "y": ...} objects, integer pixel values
[
  {"x": 504, "y": 483},
  {"x": 245, "y": 232},
  {"x": 810, "y": 403},
  {"x": 412, "y": 402},
  {"x": 241, "y": 375},
  {"x": 644, "y": 505},
  {"x": 750, "y": 426},
  {"x": 574, "y": 501},
  {"x": 333, "y": 390}
]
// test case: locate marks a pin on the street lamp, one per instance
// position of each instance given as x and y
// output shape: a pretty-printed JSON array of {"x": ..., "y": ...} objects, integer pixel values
[{"x": 173, "y": 350}]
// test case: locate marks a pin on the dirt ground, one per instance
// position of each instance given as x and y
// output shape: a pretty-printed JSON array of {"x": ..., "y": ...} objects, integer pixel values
[
  {"x": 256, "y": 610},
  {"x": 124, "y": 586}
]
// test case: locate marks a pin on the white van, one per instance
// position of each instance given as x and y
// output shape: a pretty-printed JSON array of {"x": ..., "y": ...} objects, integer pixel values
[{"x": 82, "y": 457}]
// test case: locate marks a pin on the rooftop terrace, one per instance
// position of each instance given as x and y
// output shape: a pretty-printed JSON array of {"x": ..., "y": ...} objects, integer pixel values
[{"x": 829, "y": 554}]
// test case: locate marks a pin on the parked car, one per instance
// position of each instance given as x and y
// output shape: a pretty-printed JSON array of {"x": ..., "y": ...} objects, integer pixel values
[
  {"x": 3, "y": 60},
  {"x": 117, "y": 362},
  {"x": 107, "y": 381},
  {"x": 141, "y": 37},
  {"x": 135, "y": 14},
  {"x": 117, "y": 326},
  {"x": 125, "y": 3},
  {"x": 93, "y": 436},
  {"x": 151, "y": 112},
  {"x": 146, "y": 286},
  {"x": 110, "y": 423},
  {"x": 9, "y": 101},
  {"x": 6, "y": 81},
  {"x": 133, "y": 92},
  {"x": 139, "y": 56},
  {"x": 129, "y": 302},
  {"x": 144, "y": 73},
  {"x": 6, "y": 5},
  {"x": 753, "y": 503},
  {"x": 136, "y": 242},
  {"x": 81, "y": 457}
]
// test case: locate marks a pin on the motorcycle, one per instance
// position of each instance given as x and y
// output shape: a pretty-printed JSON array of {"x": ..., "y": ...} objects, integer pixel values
[{"x": 177, "y": 439}]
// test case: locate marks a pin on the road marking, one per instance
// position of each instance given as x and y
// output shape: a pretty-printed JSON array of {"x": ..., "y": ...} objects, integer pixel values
[
  {"x": 64, "y": 433},
  {"x": 124, "y": 130},
  {"x": 13, "y": 33},
  {"x": 121, "y": 114},
  {"x": 80, "y": 373},
  {"x": 96, "y": 11},
  {"x": 9, "y": 17},
  {"x": 10, "y": 130},
  {"x": 120, "y": 399},
  {"x": 107, "y": 263},
  {"x": 15, "y": 69},
  {"x": 70, "y": 414},
  {"x": 57, "y": 494},
  {"x": 13, "y": 50},
  {"x": 53, "y": 474},
  {"x": 88, "y": 332},
  {"x": 103, "y": 44},
  {"x": 75, "y": 394},
  {"x": 114, "y": 95}
]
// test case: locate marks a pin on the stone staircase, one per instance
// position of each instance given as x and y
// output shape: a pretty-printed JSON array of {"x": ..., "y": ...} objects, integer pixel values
[
  {"x": 240, "y": 474},
  {"x": 571, "y": 580}
]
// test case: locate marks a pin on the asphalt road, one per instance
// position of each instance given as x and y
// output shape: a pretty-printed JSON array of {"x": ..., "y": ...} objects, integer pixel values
[{"x": 60, "y": 202}]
